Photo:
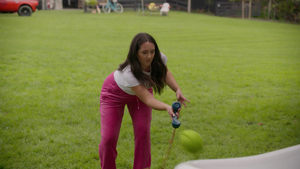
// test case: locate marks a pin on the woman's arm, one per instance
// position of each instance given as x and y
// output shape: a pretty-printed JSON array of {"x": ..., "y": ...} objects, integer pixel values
[
  {"x": 171, "y": 82},
  {"x": 146, "y": 97}
]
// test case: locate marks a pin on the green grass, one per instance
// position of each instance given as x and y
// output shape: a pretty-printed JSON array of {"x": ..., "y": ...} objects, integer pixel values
[{"x": 237, "y": 74}]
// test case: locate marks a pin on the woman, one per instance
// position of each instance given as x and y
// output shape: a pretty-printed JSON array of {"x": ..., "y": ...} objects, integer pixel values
[{"x": 131, "y": 85}]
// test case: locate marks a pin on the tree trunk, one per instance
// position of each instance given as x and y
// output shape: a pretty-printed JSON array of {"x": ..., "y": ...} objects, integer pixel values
[
  {"x": 189, "y": 6},
  {"x": 243, "y": 9},
  {"x": 142, "y": 5},
  {"x": 250, "y": 9},
  {"x": 269, "y": 9}
]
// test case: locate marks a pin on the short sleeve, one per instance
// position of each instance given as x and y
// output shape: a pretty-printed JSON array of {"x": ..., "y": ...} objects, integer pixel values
[
  {"x": 164, "y": 58},
  {"x": 129, "y": 79},
  {"x": 125, "y": 80}
]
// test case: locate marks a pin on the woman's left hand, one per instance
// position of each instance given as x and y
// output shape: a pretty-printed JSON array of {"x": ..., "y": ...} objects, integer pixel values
[{"x": 181, "y": 98}]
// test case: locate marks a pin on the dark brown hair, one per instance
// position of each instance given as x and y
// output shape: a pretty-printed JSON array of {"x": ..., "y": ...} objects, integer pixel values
[{"x": 157, "y": 80}]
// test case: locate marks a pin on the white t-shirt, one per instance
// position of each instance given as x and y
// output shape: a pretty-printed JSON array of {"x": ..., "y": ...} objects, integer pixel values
[
  {"x": 125, "y": 78},
  {"x": 165, "y": 7}
]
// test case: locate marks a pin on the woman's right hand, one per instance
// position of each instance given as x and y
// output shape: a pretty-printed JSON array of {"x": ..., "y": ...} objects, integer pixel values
[{"x": 170, "y": 111}]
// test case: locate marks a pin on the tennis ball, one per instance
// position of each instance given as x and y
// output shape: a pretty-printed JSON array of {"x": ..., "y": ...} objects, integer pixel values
[{"x": 191, "y": 141}]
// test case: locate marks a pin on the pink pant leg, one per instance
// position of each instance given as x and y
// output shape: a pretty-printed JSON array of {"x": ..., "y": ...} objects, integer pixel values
[
  {"x": 141, "y": 116},
  {"x": 112, "y": 102},
  {"x": 111, "y": 118},
  {"x": 112, "y": 109}
]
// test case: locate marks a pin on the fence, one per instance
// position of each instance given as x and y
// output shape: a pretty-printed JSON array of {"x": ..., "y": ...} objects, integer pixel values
[
  {"x": 136, "y": 4},
  {"x": 227, "y": 8}
]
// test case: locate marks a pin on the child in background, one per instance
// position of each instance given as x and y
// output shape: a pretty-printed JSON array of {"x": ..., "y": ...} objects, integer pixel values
[{"x": 165, "y": 9}]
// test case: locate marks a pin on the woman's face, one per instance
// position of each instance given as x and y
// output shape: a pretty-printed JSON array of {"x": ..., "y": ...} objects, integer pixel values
[{"x": 146, "y": 54}]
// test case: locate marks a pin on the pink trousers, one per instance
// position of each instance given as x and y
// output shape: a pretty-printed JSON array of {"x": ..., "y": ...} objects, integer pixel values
[{"x": 112, "y": 104}]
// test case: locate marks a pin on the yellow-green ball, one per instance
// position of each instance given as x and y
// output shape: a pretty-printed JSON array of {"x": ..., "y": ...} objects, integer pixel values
[{"x": 191, "y": 141}]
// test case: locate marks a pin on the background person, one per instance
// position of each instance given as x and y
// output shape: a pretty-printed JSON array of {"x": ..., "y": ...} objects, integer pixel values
[{"x": 165, "y": 8}]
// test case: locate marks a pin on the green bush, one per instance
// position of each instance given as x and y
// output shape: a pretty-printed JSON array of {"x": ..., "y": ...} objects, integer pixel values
[
  {"x": 287, "y": 10},
  {"x": 91, "y": 2}
]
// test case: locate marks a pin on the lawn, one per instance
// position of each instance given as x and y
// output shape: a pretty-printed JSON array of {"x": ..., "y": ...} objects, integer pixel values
[{"x": 241, "y": 76}]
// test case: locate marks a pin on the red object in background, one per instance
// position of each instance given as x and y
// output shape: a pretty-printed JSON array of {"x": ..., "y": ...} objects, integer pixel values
[{"x": 23, "y": 7}]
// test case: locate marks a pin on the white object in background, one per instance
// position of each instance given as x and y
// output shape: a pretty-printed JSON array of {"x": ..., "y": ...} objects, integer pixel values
[
  {"x": 287, "y": 158},
  {"x": 165, "y": 8}
]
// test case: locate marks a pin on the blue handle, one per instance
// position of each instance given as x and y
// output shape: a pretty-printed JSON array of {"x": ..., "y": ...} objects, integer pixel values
[
  {"x": 175, "y": 122},
  {"x": 176, "y": 106}
]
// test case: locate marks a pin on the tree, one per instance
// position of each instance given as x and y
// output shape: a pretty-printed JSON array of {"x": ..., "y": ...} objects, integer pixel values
[
  {"x": 250, "y": 9},
  {"x": 285, "y": 10},
  {"x": 243, "y": 9},
  {"x": 189, "y": 6},
  {"x": 275, "y": 9},
  {"x": 269, "y": 9}
]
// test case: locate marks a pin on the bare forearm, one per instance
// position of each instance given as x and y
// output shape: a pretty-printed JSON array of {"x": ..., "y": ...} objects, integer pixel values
[
  {"x": 155, "y": 104},
  {"x": 146, "y": 97},
  {"x": 171, "y": 82}
]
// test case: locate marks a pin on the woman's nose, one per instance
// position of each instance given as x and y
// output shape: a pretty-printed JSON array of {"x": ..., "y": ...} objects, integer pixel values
[{"x": 148, "y": 55}]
